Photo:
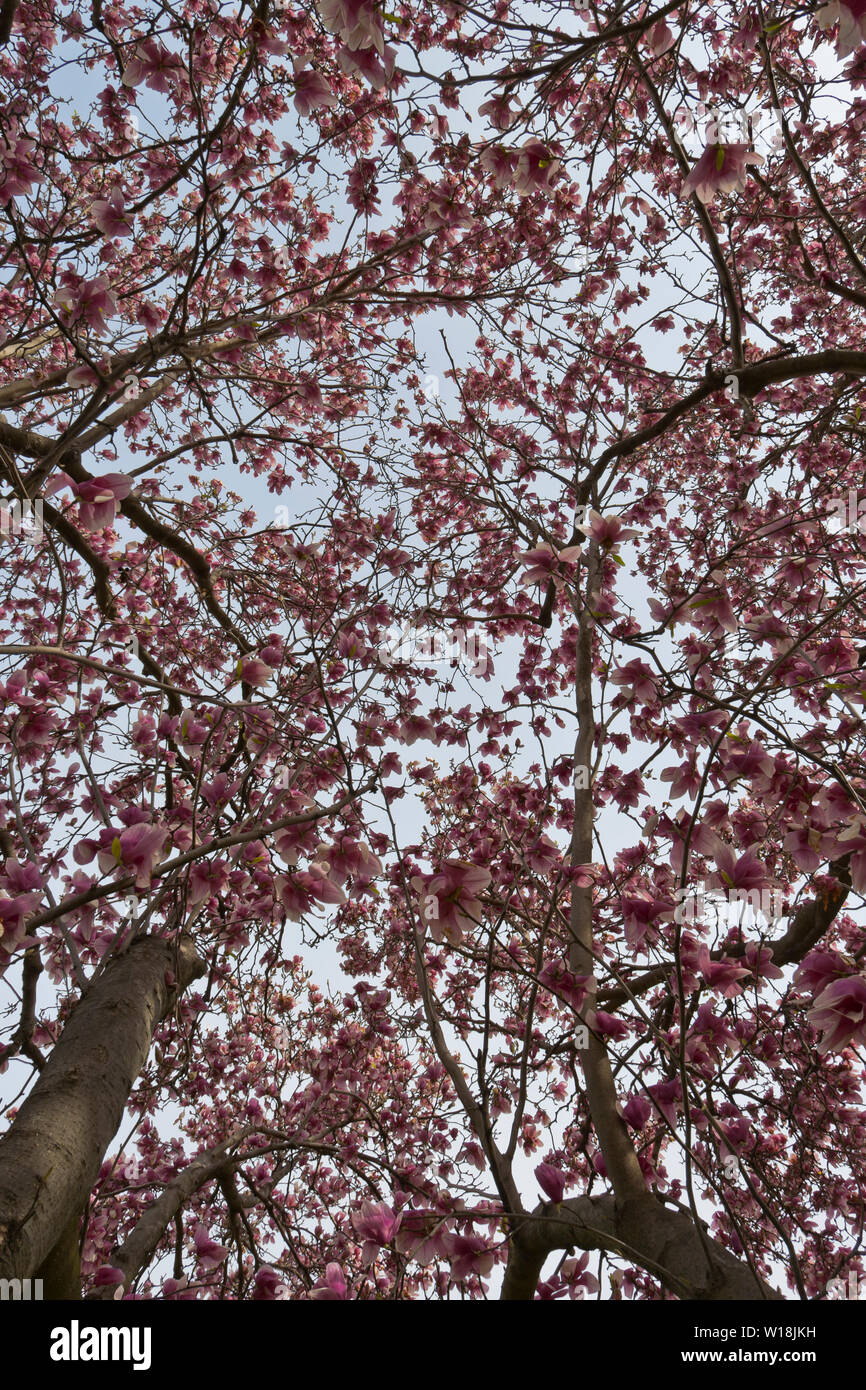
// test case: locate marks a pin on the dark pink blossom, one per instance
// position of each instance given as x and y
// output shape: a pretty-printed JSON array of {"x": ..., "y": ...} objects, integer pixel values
[
  {"x": 98, "y": 499},
  {"x": 660, "y": 38},
  {"x": 364, "y": 62},
  {"x": 552, "y": 1181},
  {"x": 469, "y": 1255},
  {"x": 138, "y": 849},
  {"x": 209, "y": 1255},
  {"x": 819, "y": 968},
  {"x": 608, "y": 531},
  {"x": 840, "y": 1012},
  {"x": 637, "y": 681},
  {"x": 153, "y": 64},
  {"x": 332, "y": 1286},
  {"x": 557, "y": 978},
  {"x": 268, "y": 1285},
  {"x": 377, "y": 1225},
  {"x": 637, "y": 1111},
  {"x": 253, "y": 671},
  {"x": 499, "y": 112},
  {"x": 500, "y": 163}
]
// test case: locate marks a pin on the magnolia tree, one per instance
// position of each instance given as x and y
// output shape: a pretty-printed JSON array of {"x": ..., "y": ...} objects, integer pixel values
[{"x": 432, "y": 808}]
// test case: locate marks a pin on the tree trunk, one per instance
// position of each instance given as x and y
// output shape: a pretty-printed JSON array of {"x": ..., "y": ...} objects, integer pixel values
[{"x": 52, "y": 1152}]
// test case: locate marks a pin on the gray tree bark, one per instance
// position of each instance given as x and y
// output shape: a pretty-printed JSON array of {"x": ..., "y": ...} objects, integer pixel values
[{"x": 52, "y": 1152}]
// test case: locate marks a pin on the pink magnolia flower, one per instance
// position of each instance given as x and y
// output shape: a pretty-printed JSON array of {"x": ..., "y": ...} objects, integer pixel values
[
  {"x": 208, "y": 879},
  {"x": 557, "y": 978},
  {"x": 609, "y": 1027},
  {"x": 17, "y": 172},
  {"x": 500, "y": 163},
  {"x": 252, "y": 671},
  {"x": 109, "y": 216},
  {"x": 640, "y": 912},
  {"x": 743, "y": 873},
  {"x": 543, "y": 856},
  {"x": 499, "y": 112},
  {"x": 416, "y": 726},
  {"x": 535, "y": 167},
  {"x": 357, "y": 22},
  {"x": 720, "y": 169},
  {"x": 364, "y": 62},
  {"x": 421, "y": 1235},
  {"x": 637, "y": 681},
  {"x": 106, "y": 1275},
  {"x": 443, "y": 207},
  {"x": 448, "y": 899},
  {"x": 760, "y": 962},
  {"x": 82, "y": 376},
  {"x": 139, "y": 848},
  {"x": 660, "y": 38},
  {"x": 840, "y": 1012},
  {"x": 853, "y": 841},
  {"x": 722, "y": 975},
  {"x": 22, "y": 878},
  {"x": 98, "y": 499},
  {"x": 178, "y": 1289},
  {"x": 333, "y": 1286},
  {"x": 637, "y": 1111},
  {"x": 86, "y": 301},
  {"x": 208, "y": 1254},
  {"x": 578, "y": 1277},
  {"x": 319, "y": 886},
  {"x": 349, "y": 858},
  {"x": 819, "y": 969},
  {"x": 667, "y": 1097},
  {"x": 542, "y": 563},
  {"x": 377, "y": 1225},
  {"x": 268, "y": 1285},
  {"x": 552, "y": 1181},
  {"x": 12, "y": 914},
  {"x": 469, "y": 1255},
  {"x": 154, "y": 64},
  {"x": 609, "y": 531},
  {"x": 851, "y": 15},
  {"x": 295, "y": 901},
  {"x": 352, "y": 645},
  {"x": 312, "y": 90}
]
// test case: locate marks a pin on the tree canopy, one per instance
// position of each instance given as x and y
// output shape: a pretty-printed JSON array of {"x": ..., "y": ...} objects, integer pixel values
[{"x": 432, "y": 801}]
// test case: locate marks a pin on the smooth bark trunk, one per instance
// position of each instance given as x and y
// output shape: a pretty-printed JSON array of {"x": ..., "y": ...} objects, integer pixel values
[{"x": 52, "y": 1152}]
